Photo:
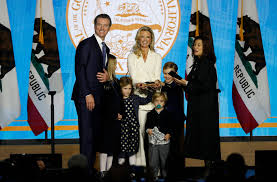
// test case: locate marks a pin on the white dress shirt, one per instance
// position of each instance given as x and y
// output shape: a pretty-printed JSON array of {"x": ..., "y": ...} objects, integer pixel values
[{"x": 148, "y": 71}]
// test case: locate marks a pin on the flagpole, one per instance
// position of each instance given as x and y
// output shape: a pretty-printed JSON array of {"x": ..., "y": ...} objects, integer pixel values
[
  {"x": 46, "y": 136},
  {"x": 197, "y": 20},
  {"x": 241, "y": 23},
  {"x": 52, "y": 93}
]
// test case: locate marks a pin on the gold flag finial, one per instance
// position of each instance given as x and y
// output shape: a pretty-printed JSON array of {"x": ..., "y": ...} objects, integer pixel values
[
  {"x": 40, "y": 38},
  {"x": 197, "y": 20},
  {"x": 241, "y": 23}
]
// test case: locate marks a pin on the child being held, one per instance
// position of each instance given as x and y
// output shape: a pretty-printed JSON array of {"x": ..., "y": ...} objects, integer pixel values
[{"x": 110, "y": 126}]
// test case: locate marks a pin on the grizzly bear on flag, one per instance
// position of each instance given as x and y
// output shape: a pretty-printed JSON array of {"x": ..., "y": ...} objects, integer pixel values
[
  {"x": 46, "y": 53},
  {"x": 6, "y": 51},
  {"x": 253, "y": 40}
]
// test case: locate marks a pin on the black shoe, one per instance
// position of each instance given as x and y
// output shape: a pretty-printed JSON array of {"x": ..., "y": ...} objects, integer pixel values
[
  {"x": 102, "y": 174},
  {"x": 209, "y": 163},
  {"x": 156, "y": 179},
  {"x": 132, "y": 176}
]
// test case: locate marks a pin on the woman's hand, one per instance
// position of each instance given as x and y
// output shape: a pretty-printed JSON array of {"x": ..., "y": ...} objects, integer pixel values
[
  {"x": 141, "y": 85},
  {"x": 162, "y": 83},
  {"x": 181, "y": 82},
  {"x": 157, "y": 84}
]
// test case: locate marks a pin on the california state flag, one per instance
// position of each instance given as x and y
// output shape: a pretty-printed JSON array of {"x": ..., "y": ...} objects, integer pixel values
[
  {"x": 9, "y": 96},
  {"x": 45, "y": 72},
  {"x": 250, "y": 87},
  {"x": 199, "y": 26}
]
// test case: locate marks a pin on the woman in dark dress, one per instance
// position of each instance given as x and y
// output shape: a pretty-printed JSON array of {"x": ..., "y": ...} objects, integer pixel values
[
  {"x": 110, "y": 125},
  {"x": 202, "y": 139}
]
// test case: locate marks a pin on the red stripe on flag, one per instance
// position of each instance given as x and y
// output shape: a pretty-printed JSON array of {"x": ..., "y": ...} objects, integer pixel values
[
  {"x": 247, "y": 121},
  {"x": 35, "y": 120}
]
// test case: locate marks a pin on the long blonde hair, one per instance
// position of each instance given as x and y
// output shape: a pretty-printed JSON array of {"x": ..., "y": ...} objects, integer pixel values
[
  {"x": 111, "y": 66},
  {"x": 136, "y": 47}
]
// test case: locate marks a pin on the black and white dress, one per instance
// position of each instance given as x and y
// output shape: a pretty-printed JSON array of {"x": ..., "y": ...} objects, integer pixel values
[{"x": 129, "y": 129}]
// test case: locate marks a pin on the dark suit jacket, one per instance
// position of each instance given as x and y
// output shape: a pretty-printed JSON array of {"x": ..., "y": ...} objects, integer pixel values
[
  {"x": 162, "y": 120},
  {"x": 175, "y": 102},
  {"x": 88, "y": 61}
]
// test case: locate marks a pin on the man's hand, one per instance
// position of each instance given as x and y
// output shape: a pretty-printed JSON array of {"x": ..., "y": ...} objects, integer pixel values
[
  {"x": 102, "y": 77},
  {"x": 90, "y": 102}
]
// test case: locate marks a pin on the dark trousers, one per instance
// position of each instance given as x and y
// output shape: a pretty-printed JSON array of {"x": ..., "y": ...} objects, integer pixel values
[
  {"x": 89, "y": 127},
  {"x": 157, "y": 158}
]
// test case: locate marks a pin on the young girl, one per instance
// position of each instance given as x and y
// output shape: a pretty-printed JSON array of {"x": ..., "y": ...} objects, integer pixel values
[
  {"x": 110, "y": 126},
  {"x": 129, "y": 140}
]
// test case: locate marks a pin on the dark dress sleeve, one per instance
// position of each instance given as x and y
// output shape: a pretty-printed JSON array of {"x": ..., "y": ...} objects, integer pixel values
[
  {"x": 111, "y": 100},
  {"x": 143, "y": 101},
  {"x": 117, "y": 97},
  {"x": 202, "y": 78}
]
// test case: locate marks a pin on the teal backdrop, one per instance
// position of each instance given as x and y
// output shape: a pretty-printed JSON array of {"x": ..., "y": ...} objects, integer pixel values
[{"x": 223, "y": 14}]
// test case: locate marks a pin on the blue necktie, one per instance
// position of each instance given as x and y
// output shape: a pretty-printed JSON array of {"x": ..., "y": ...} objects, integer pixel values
[{"x": 104, "y": 53}]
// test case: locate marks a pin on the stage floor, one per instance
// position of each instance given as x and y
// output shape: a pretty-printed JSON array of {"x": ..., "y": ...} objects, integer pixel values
[{"x": 246, "y": 149}]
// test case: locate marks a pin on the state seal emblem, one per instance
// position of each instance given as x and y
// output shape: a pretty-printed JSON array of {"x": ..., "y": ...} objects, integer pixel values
[{"x": 163, "y": 16}]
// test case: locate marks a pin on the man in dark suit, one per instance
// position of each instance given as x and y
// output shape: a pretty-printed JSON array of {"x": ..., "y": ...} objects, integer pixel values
[{"x": 90, "y": 71}]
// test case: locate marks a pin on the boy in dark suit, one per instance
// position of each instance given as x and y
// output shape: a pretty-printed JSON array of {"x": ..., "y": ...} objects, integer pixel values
[
  {"x": 158, "y": 126},
  {"x": 175, "y": 105}
]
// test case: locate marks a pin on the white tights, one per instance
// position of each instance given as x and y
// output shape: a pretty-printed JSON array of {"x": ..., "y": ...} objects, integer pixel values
[
  {"x": 132, "y": 160},
  {"x": 105, "y": 162}
]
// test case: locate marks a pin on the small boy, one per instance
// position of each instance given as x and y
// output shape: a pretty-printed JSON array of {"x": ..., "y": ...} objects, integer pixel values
[
  {"x": 159, "y": 132},
  {"x": 175, "y": 105}
]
